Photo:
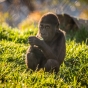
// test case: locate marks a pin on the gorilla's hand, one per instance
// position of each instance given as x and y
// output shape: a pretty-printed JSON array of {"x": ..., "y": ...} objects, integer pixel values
[{"x": 35, "y": 41}]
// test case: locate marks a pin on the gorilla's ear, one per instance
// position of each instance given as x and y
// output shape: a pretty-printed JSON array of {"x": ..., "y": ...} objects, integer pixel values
[{"x": 57, "y": 26}]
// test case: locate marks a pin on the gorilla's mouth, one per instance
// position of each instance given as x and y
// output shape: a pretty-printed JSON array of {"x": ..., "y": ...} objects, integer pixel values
[{"x": 44, "y": 34}]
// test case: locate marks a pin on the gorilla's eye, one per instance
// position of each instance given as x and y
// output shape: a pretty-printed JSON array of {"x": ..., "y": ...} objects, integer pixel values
[
  {"x": 41, "y": 26},
  {"x": 47, "y": 27}
]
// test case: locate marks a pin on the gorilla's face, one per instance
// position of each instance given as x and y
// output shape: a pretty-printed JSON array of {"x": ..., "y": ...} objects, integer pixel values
[{"x": 47, "y": 31}]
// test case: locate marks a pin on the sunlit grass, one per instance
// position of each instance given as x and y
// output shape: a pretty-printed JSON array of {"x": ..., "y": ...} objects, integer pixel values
[{"x": 13, "y": 73}]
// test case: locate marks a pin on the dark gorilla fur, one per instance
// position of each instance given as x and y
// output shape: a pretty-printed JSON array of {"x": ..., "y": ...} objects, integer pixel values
[
  {"x": 51, "y": 19},
  {"x": 48, "y": 53}
]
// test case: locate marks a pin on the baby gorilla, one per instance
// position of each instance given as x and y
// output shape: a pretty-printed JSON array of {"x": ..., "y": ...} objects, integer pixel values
[{"x": 47, "y": 50}]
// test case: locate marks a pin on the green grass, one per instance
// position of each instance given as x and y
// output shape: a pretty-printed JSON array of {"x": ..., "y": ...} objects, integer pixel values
[{"x": 13, "y": 74}]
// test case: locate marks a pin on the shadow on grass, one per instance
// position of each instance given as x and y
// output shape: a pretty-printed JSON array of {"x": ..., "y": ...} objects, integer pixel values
[{"x": 79, "y": 36}]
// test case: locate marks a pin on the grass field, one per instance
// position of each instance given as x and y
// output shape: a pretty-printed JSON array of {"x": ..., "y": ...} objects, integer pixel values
[{"x": 13, "y": 74}]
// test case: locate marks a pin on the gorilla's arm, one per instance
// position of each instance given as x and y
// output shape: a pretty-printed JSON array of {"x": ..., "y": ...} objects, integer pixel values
[
  {"x": 47, "y": 51},
  {"x": 50, "y": 54}
]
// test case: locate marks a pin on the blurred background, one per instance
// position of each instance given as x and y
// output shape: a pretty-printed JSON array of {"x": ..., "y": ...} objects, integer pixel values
[{"x": 23, "y": 13}]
